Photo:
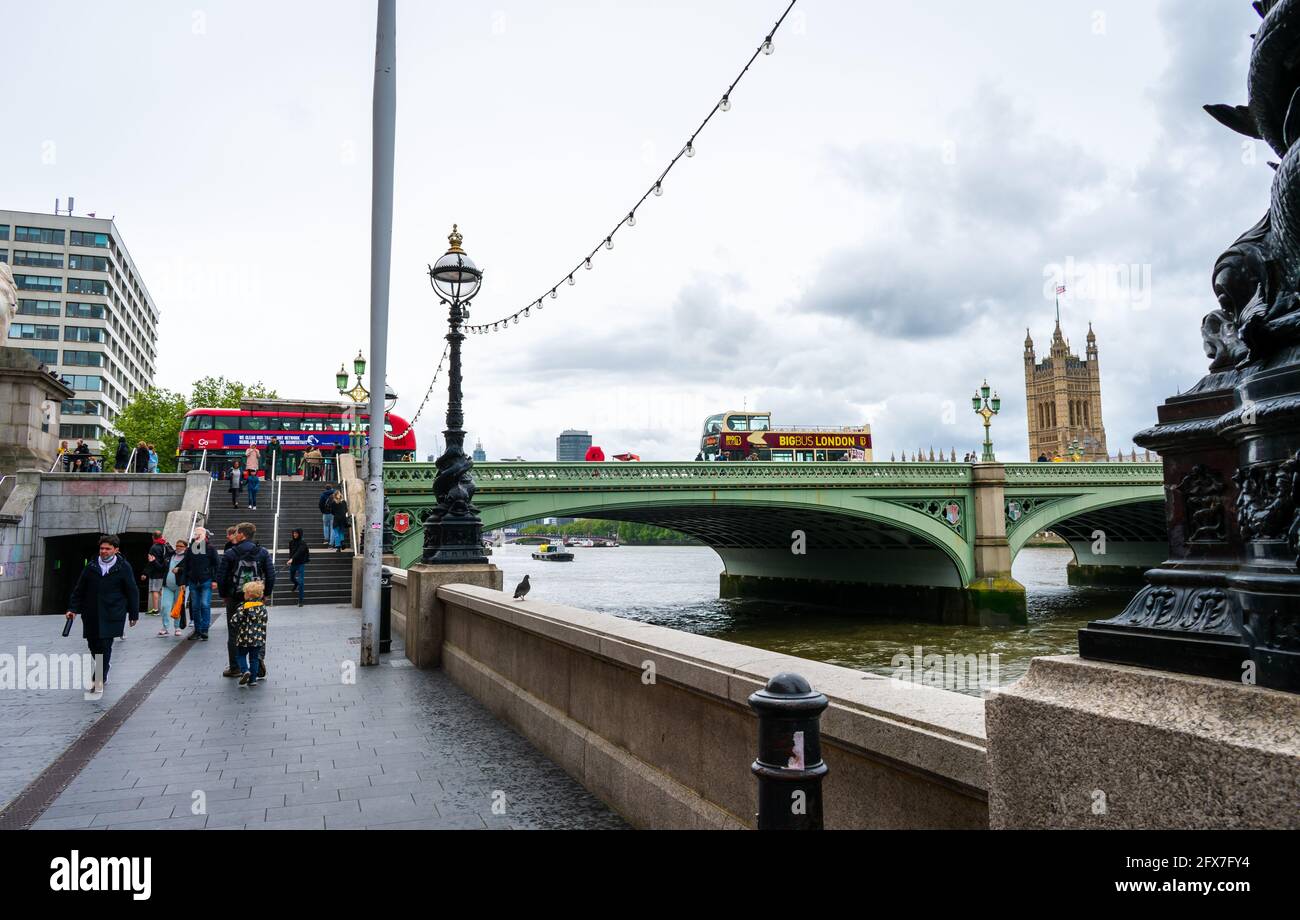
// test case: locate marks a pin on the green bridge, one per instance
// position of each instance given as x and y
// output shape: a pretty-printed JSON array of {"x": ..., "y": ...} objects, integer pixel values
[{"x": 932, "y": 540}]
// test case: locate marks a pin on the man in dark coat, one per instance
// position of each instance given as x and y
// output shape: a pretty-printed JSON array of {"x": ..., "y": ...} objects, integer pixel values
[
  {"x": 197, "y": 570},
  {"x": 123, "y": 455},
  {"x": 106, "y": 596}
]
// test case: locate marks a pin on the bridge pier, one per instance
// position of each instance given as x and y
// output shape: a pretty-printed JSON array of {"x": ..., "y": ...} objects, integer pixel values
[{"x": 993, "y": 596}]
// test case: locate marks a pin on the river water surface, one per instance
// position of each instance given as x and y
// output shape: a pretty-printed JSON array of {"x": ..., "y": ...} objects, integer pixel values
[{"x": 677, "y": 587}]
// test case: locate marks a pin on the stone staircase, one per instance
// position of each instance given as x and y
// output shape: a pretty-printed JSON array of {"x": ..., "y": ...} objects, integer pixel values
[{"x": 329, "y": 572}]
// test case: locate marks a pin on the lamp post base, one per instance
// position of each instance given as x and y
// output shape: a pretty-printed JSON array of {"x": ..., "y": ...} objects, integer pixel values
[{"x": 454, "y": 541}]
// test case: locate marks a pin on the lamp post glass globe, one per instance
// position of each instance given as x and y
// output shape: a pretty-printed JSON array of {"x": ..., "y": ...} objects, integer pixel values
[
  {"x": 359, "y": 365},
  {"x": 341, "y": 379}
]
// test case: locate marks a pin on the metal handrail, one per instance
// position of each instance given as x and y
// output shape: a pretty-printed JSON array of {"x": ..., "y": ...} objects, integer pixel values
[
  {"x": 275, "y": 530},
  {"x": 207, "y": 504}
]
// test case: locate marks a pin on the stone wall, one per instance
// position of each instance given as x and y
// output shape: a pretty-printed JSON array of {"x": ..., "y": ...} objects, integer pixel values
[
  {"x": 43, "y": 506},
  {"x": 655, "y": 721}
]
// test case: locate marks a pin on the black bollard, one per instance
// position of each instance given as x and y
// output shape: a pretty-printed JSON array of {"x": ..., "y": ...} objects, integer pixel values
[
  {"x": 789, "y": 767},
  {"x": 385, "y": 611}
]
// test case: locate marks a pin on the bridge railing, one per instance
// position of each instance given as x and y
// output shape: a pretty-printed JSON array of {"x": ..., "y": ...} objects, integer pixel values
[
  {"x": 420, "y": 476},
  {"x": 1087, "y": 473}
]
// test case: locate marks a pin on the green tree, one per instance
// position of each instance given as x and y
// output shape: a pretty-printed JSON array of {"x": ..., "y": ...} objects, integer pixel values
[
  {"x": 220, "y": 393},
  {"x": 155, "y": 415}
]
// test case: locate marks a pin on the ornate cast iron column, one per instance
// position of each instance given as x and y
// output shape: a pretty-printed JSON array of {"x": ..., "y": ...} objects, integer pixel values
[
  {"x": 1227, "y": 602},
  {"x": 453, "y": 533}
]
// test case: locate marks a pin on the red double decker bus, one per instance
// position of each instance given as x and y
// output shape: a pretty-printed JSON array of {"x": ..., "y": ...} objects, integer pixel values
[{"x": 225, "y": 434}]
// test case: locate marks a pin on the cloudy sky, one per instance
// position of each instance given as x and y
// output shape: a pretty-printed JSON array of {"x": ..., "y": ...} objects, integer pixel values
[{"x": 865, "y": 236}]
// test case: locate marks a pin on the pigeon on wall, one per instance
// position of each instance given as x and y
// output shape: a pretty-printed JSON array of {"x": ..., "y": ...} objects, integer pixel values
[{"x": 523, "y": 589}]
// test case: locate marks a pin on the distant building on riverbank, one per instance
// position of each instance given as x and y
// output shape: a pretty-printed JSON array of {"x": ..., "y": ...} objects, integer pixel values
[{"x": 571, "y": 446}]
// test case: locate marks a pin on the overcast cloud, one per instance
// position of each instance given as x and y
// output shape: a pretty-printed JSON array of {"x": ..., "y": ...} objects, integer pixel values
[{"x": 865, "y": 237}]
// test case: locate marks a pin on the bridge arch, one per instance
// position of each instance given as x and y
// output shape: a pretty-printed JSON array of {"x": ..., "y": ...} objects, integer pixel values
[{"x": 1114, "y": 538}]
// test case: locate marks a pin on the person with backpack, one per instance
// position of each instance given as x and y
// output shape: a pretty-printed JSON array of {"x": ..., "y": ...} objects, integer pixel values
[
  {"x": 244, "y": 562},
  {"x": 327, "y": 514},
  {"x": 155, "y": 570},
  {"x": 235, "y": 482},
  {"x": 339, "y": 513}
]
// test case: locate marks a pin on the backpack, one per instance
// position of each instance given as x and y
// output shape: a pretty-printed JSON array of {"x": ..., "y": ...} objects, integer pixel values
[
  {"x": 249, "y": 568},
  {"x": 326, "y": 499}
]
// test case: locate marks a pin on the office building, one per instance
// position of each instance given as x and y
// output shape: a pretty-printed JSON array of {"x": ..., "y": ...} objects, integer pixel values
[
  {"x": 83, "y": 311},
  {"x": 571, "y": 446}
]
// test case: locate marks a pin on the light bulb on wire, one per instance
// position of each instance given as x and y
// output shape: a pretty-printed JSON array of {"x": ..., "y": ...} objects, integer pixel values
[
  {"x": 554, "y": 294},
  {"x": 690, "y": 148},
  {"x": 767, "y": 47},
  {"x": 725, "y": 104},
  {"x": 631, "y": 219},
  {"x": 588, "y": 263},
  {"x": 659, "y": 190},
  {"x": 609, "y": 242},
  {"x": 571, "y": 281}
]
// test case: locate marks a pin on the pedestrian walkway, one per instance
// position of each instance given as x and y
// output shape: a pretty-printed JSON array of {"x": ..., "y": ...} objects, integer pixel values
[
  {"x": 321, "y": 745},
  {"x": 38, "y": 725}
]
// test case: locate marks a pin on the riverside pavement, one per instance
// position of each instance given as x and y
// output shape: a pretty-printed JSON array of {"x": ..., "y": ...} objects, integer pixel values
[{"x": 322, "y": 744}]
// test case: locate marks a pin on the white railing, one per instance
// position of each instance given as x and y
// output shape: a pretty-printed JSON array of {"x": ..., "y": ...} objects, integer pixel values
[
  {"x": 207, "y": 504},
  {"x": 352, "y": 518},
  {"x": 275, "y": 531}
]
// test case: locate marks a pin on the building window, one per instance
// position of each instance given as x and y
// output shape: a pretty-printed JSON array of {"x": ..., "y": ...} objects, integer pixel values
[
  {"x": 87, "y": 263},
  {"x": 37, "y": 259},
  {"x": 87, "y": 286},
  {"x": 88, "y": 432},
  {"x": 38, "y": 308},
  {"x": 85, "y": 311},
  {"x": 44, "y": 355},
  {"x": 4, "y": 231},
  {"x": 85, "y": 238},
  {"x": 83, "y": 358},
  {"x": 80, "y": 382},
  {"x": 4, "y": 255},
  {"x": 82, "y": 407},
  {"x": 38, "y": 235},
  {"x": 34, "y": 331},
  {"x": 84, "y": 334},
  {"x": 39, "y": 283}
]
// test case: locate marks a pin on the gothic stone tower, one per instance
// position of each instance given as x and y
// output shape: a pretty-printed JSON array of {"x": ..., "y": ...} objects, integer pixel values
[{"x": 1063, "y": 399}]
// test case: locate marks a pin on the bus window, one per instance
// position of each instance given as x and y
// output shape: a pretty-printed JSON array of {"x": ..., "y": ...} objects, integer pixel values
[
  {"x": 738, "y": 423},
  {"x": 226, "y": 423},
  {"x": 760, "y": 423},
  {"x": 804, "y": 456},
  {"x": 782, "y": 456},
  {"x": 256, "y": 423},
  {"x": 288, "y": 424},
  {"x": 713, "y": 425},
  {"x": 205, "y": 422},
  {"x": 191, "y": 422}
]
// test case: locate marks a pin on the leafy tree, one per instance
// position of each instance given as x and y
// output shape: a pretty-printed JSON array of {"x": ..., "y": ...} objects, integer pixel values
[
  {"x": 155, "y": 415},
  {"x": 220, "y": 393}
]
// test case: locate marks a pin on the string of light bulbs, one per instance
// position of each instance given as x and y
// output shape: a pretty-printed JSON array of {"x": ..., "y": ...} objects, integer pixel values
[
  {"x": 656, "y": 189},
  {"x": 424, "y": 402}
]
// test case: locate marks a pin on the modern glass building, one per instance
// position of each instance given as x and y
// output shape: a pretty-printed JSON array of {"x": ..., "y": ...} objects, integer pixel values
[
  {"x": 571, "y": 446},
  {"x": 83, "y": 311}
]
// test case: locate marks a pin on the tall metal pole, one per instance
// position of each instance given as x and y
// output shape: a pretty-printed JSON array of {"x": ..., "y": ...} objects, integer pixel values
[{"x": 381, "y": 255}]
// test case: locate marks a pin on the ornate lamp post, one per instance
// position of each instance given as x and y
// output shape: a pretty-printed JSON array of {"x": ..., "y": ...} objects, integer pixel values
[
  {"x": 986, "y": 407},
  {"x": 359, "y": 396},
  {"x": 453, "y": 533},
  {"x": 1076, "y": 451}
]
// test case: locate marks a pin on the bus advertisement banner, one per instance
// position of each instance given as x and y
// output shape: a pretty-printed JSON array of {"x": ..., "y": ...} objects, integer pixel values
[
  {"x": 776, "y": 440},
  {"x": 289, "y": 440}
]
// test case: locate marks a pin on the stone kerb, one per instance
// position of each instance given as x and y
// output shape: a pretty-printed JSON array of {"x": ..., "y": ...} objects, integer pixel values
[{"x": 675, "y": 751}]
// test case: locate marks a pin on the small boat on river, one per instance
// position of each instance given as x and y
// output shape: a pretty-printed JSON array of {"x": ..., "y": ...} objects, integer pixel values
[{"x": 552, "y": 552}]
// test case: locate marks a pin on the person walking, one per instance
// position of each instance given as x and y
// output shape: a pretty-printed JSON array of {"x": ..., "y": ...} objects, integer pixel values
[
  {"x": 234, "y": 479},
  {"x": 299, "y": 556},
  {"x": 252, "y": 458},
  {"x": 105, "y": 598},
  {"x": 123, "y": 455},
  {"x": 197, "y": 570},
  {"x": 339, "y": 511},
  {"x": 171, "y": 588},
  {"x": 273, "y": 450},
  {"x": 153, "y": 458},
  {"x": 326, "y": 503},
  {"x": 64, "y": 456},
  {"x": 155, "y": 570},
  {"x": 249, "y": 628},
  {"x": 141, "y": 462},
  {"x": 314, "y": 465},
  {"x": 243, "y": 563},
  {"x": 254, "y": 483}
]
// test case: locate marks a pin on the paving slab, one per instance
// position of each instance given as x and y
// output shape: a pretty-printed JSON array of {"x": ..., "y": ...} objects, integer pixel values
[{"x": 319, "y": 744}]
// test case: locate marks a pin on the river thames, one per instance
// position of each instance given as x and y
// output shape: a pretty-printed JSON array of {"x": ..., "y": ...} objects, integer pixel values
[{"x": 677, "y": 587}]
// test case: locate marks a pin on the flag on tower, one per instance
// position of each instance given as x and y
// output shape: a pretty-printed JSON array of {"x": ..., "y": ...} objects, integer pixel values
[{"x": 1060, "y": 289}]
